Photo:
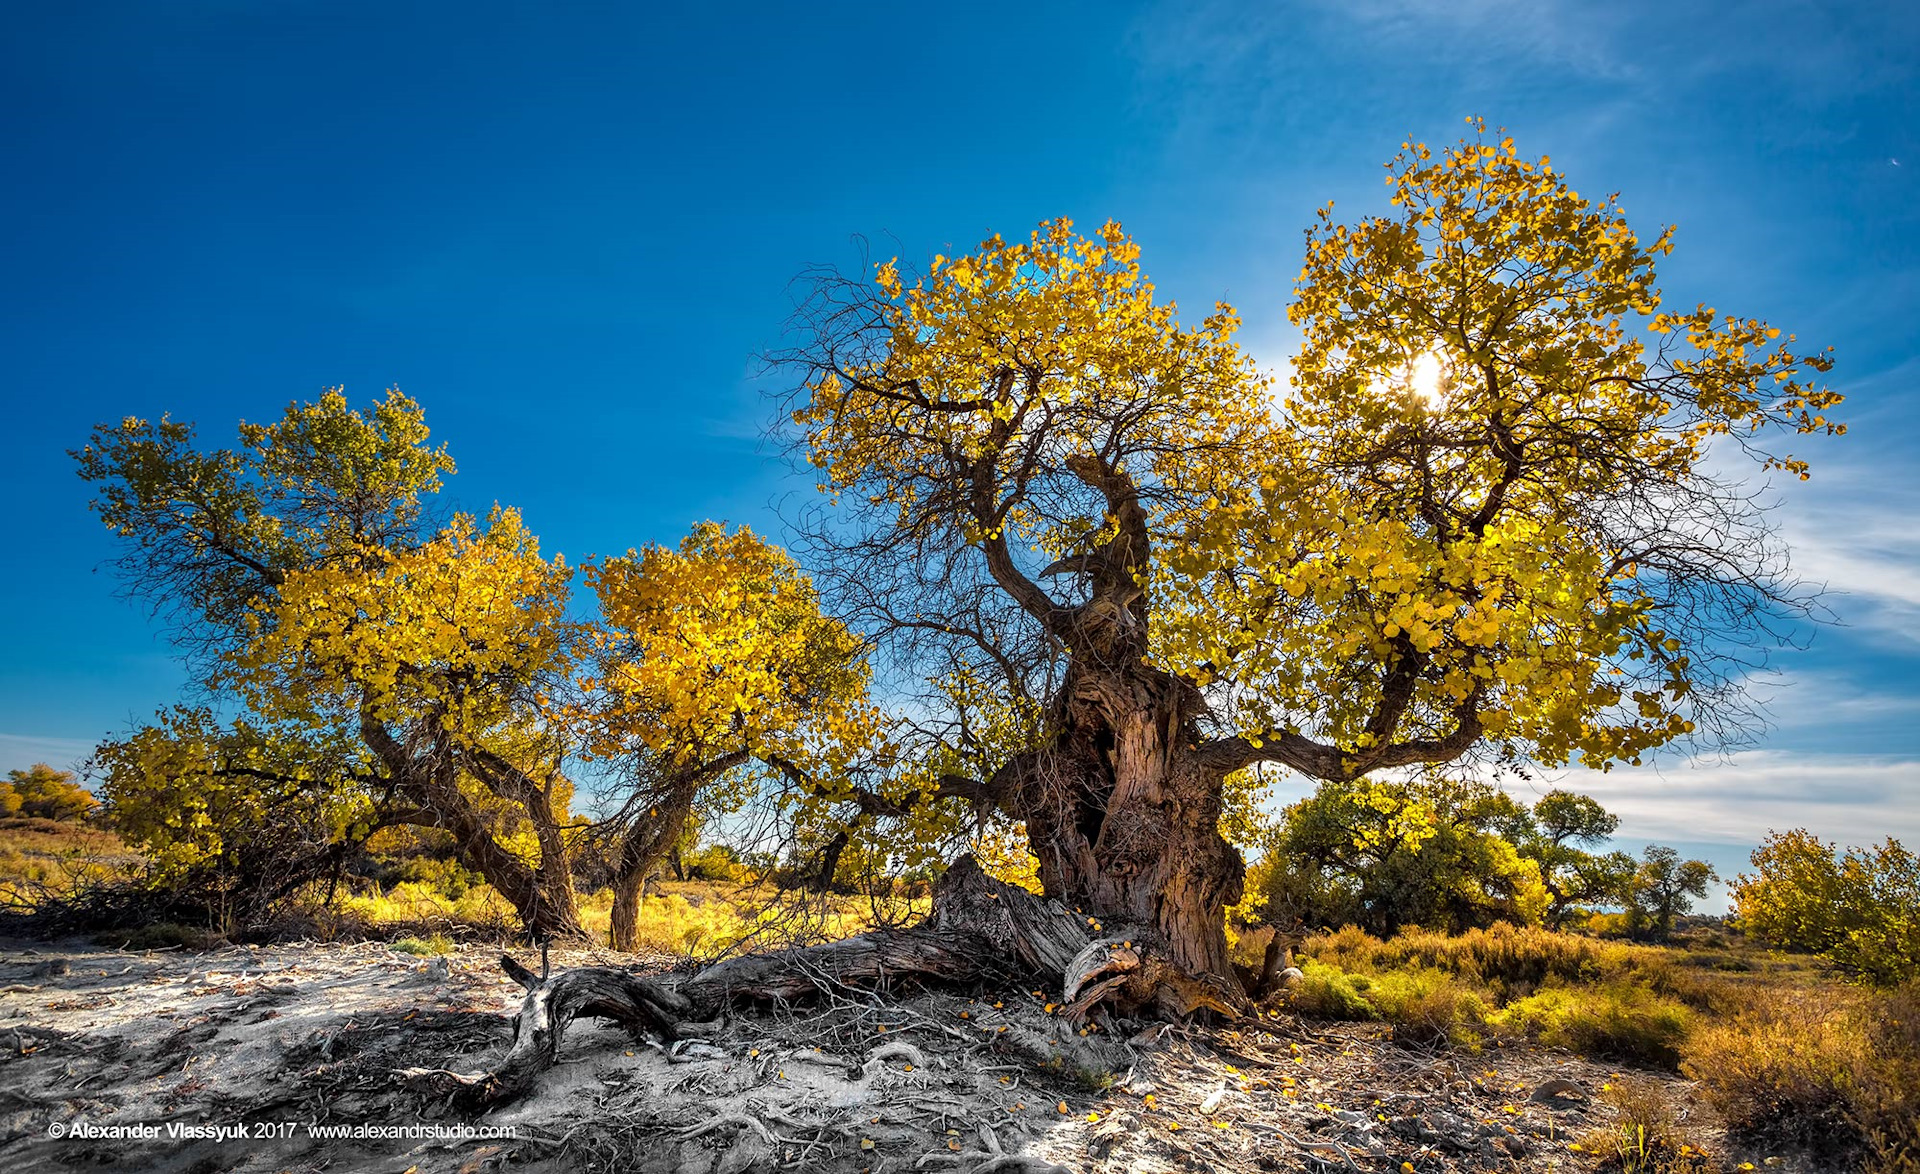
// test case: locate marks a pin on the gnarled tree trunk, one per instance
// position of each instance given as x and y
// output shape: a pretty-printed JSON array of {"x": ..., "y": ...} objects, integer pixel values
[
  {"x": 541, "y": 895},
  {"x": 1125, "y": 818}
]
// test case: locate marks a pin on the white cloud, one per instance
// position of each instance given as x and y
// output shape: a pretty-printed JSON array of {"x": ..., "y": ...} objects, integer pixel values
[
  {"x": 1852, "y": 529},
  {"x": 19, "y": 751},
  {"x": 1829, "y": 700},
  {"x": 1855, "y": 799}
]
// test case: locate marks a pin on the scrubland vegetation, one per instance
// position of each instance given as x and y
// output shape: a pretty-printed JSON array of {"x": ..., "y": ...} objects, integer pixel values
[{"x": 1791, "y": 1044}]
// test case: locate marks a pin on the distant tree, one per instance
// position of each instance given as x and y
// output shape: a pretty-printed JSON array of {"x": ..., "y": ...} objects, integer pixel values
[
  {"x": 1861, "y": 909},
  {"x": 1662, "y": 888},
  {"x": 1557, "y": 834},
  {"x": 46, "y": 793},
  {"x": 1384, "y": 855}
]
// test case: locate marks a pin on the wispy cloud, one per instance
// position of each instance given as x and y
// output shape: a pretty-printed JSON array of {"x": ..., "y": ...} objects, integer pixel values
[
  {"x": 1799, "y": 699},
  {"x": 1852, "y": 528},
  {"x": 19, "y": 751},
  {"x": 1738, "y": 800}
]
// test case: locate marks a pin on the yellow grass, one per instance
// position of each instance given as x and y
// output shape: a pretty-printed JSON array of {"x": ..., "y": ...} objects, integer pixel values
[
  {"x": 39, "y": 857},
  {"x": 689, "y": 919}
]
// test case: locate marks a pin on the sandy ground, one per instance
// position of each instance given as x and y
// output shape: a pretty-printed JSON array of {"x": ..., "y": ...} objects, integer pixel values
[{"x": 280, "y": 1044}]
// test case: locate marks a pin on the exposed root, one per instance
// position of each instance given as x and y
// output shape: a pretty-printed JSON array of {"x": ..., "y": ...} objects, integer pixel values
[
  {"x": 1002, "y": 1163},
  {"x": 980, "y": 931},
  {"x": 724, "y": 1120},
  {"x": 898, "y": 1050}
]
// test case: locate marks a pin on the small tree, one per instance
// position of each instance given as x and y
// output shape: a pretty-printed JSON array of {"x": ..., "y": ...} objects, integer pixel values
[
  {"x": 302, "y": 575},
  {"x": 45, "y": 793},
  {"x": 1861, "y": 908},
  {"x": 713, "y": 659},
  {"x": 1663, "y": 888},
  {"x": 1383, "y": 856},
  {"x": 1557, "y": 834}
]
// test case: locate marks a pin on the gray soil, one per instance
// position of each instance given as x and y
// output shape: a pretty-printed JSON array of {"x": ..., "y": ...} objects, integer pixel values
[{"x": 283, "y": 1042}]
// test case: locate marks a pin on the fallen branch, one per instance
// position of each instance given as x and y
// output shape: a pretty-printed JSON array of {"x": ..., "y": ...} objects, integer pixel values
[{"x": 980, "y": 930}]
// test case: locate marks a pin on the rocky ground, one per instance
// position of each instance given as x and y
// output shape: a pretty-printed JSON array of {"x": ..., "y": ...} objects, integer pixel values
[{"x": 282, "y": 1044}]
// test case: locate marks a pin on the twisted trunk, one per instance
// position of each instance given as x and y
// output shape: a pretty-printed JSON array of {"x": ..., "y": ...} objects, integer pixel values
[{"x": 1124, "y": 817}]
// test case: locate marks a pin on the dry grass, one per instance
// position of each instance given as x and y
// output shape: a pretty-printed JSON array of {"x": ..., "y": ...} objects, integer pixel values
[
  {"x": 1623, "y": 1002},
  {"x": 44, "y": 860},
  {"x": 685, "y": 919},
  {"x": 1836, "y": 1069},
  {"x": 1644, "y": 1138}
]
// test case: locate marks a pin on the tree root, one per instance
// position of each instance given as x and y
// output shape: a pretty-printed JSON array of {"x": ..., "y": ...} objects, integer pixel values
[
  {"x": 993, "y": 1159},
  {"x": 722, "y": 1120},
  {"x": 980, "y": 930}
]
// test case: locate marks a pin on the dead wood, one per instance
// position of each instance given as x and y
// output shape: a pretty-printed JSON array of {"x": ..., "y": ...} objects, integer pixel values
[{"x": 980, "y": 930}]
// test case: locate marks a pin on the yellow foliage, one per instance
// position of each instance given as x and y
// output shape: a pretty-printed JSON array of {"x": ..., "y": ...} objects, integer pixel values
[
  {"x": 720, "y": 647},
  {"x": 458, "y": 627}
]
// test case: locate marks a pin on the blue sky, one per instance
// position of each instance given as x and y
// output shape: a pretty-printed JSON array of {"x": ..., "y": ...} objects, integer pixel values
[{"x": 568, "y": 229}]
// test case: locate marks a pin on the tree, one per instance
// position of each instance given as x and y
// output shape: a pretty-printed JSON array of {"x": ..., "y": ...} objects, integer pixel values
[
  {"x": 301, "y": 574},
  {"x": 1433, "y": 852},
  {"x": 1663, "y": 888},
  {"x": 1561, "y": 826},
  {"x": 45, "y": 793},
  {"x": 1861, "y": 908},
  {"x": 713, "y": 658},
  {"x": 1482, "y": 523}
]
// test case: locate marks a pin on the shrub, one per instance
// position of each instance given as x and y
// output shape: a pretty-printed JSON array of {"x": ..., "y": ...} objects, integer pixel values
[
  {"x": 1424, "y": 1006},
  {"x": 1329, "y": 993},
  {"x": 425, "y": 947},
  {"x": 1616, "y": 1020},
  {"x": 1643, "y": 1139},
  {"x": 1832, "y": 1069},
  {"x": 717, "y": 862},
  {"x": 1428, "y": 1006},
  {"x": 1861, "y": 909},
  {"x": 1512, "y": 960},
  {"x": 442, "y": 875},
  {"x": 1784, "y": 1068},
  {"x": 1886, "y": 1105}
]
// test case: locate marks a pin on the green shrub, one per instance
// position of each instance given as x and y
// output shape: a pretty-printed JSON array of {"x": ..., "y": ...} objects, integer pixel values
[
  {"x": 1428, "y": 1006},
  {"x": 1616, "y": 1021},
  {"x": 1327, "y": 992},
  {"x": 442, "y": 875},
  {"x": 1510, "y": 960},
  {"x": 1860, "y": 908},
  {"x": 1424, "y": 1006},
  {"x": 425, "y": 947}
]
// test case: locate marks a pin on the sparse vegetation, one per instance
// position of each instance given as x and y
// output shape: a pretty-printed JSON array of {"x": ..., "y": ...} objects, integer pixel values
[{"x": 1643, "y": 1137}]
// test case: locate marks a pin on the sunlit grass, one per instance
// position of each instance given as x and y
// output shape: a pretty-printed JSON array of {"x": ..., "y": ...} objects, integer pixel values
[
  {"x": 686, "y": 919},
  {"x": 43, "y": 857}
]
